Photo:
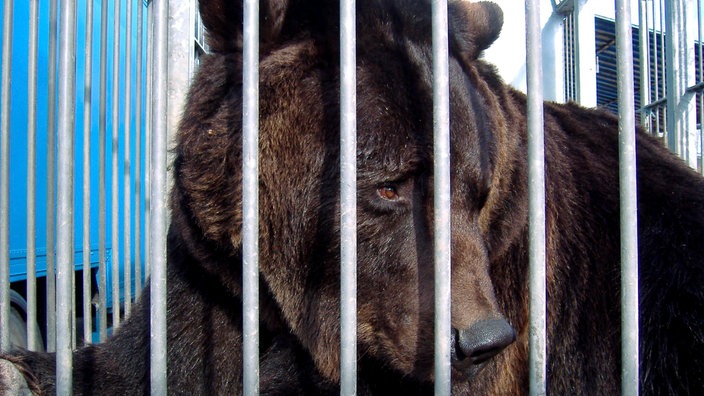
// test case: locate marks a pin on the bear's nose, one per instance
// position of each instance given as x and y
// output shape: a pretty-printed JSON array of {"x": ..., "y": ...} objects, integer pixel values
[{"x": 480, "y": 342}]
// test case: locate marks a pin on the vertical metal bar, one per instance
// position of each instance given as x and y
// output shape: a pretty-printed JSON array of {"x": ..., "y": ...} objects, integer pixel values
[
  {"x": 656, "y": 74},
  {"x": 102, "y": 135},
  {"x": 158, "y": 201},
  {"x": 441, "y": 138},
  {"x": 585, "y": 62},
  {"x": 348, "y": 199},
  {"x": 680, "y": 112},
  {"x": 250, "y": 194},
  {"x": 127, "y": 179},
  {"x": 51, "y": 185},
  {"x": 148, "y": 126},
  {"x": 87, "y": 107},
  {"x": 644, "y": 60},
  {"x": 5, "y": 177},
  {"x": 64, "y": 248},
  {"x": 570, "y": 55},
  {"x": 138, "y": 155},
  {"x": 536, "y": 201},
  {"x": 115, "y": 269},
  {"x": 627, "y": 174},
  {"x": 32, "y": 176},
  {"x": 700, "y": 76},
  {"x": 663, "y": 70}
]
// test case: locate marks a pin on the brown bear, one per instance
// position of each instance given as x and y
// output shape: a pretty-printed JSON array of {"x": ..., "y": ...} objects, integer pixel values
[{"x": 299, "y": 227}]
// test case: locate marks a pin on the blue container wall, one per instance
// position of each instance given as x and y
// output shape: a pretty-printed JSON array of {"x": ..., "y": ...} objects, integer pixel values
[{"x": 18, "y": 135}]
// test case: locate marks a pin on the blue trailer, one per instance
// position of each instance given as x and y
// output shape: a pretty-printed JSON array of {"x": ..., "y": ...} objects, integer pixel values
[{"x": 113, "y": 185}]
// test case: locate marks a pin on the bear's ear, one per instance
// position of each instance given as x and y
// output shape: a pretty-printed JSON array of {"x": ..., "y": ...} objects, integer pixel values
[
  {"x": 223, "y": 22},
  {"x": 474, "y": 26}
]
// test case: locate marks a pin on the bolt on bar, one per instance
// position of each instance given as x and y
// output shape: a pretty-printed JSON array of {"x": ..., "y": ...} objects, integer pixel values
[
  {"x": 115, "y": 237},
  {"x": 5, "y": 178},
  {"x": 537, "y": 360},
  {"x": 442, "y": 194},
  {"x": 158, "y": 213},
  {"x": 250, "y": 198},
  {"x": 31, "y": 175},
  {"x": 64, "y": 248},
  {"x": 87, "y": 107},
  {"x": 627, "y": 182},
  {"x": 102, "y": 135},
  {"x": 348, "y": 199}
]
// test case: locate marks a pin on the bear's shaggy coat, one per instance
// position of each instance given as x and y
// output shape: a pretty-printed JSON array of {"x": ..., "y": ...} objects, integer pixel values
[{"x": 299, "y": 240}]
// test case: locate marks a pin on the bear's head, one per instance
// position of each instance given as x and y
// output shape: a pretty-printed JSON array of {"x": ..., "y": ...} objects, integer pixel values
[{"x": 299, "y": 176}]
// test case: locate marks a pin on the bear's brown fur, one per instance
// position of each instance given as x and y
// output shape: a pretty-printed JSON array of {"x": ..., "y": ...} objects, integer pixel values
[{"x": 299, "y": 229}]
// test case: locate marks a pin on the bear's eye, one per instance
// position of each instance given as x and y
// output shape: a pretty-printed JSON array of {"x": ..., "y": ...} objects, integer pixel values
[{"x": 388, "y": 193}]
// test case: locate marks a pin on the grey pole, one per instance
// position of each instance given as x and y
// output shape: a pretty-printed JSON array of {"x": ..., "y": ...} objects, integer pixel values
[
  {"x": 348, "y": 200},
  {"x": 5, "y": 177},
  {"x": 127, "y": 178},
  {"x": 644, "y": 59},
  {"x": 158, "y": 201},
  {"x": 102, "y": 133},
  {"x": 115, "y": 238},
  {"x": 536, "y": 200},
  {"x": 87, "y": 107},
  {"x": 148, "y": 126},
  {"x": 51, "y": 185},
  {"x": 250, "y": 194},
  {"x": 32, "y": 176},
  {"x": 138, "y": 155},
  {"x": 627, "y": 182},
  {"x": 442, "y": 194},
  {"x": 64, "y": 248}
]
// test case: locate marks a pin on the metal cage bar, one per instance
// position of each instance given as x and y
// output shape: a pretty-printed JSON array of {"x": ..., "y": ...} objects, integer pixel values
[
  {"x": 148, "y": 136},
  {"x": 644, "y": 63},
  {"x": 51, "y": 184},
  {"x": 536, "y": 201},
  {"x": 31, "y": 175},
  {"x": 250, "y": 198},
  {"x": 627, "y": 184},
  {"x": 114, "y": 147},
  {"x": 5, "y": 177},
  {"x": 680, "y": 77},
  {"x": 158, "y": 213},
  {"x": 102, "y": 205},
  {"x": 87, "y": 111},
  {"x": 65, "y": 205},
  {"x": 127, "y": 171},
  {"x": 348, "y": 199},
  {"x": 442, "y": 196},
  {"x": 138, "y": 154}
]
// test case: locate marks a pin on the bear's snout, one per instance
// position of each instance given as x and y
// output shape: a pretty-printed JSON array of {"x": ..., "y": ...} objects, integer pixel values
[{"x": 475, "y": 345}]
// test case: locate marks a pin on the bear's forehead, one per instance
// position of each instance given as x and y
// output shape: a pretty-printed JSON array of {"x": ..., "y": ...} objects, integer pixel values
[{"x": 394, "y": 95}]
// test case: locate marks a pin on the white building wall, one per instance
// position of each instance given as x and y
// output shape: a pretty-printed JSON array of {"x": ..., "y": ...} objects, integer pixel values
[{"x": 508, "y": 53}]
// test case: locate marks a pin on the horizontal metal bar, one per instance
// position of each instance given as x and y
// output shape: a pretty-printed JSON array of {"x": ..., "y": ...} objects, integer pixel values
[
  {"x": 658, "y": 103},
  {"x": 696, "y": 88}
]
